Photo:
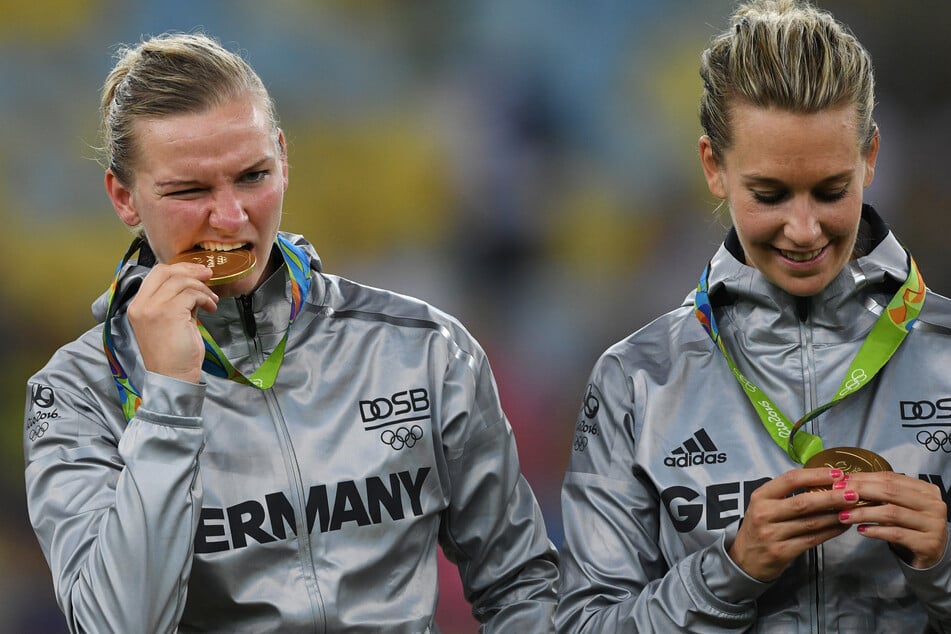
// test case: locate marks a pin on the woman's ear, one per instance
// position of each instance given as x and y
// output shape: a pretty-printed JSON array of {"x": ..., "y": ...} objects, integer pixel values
[
  {"x": 282, "y": 146},
  {"x": 121, "y": 197},
  {"x": 870, "y": 157},
  {"x": 711, "y": 168}
]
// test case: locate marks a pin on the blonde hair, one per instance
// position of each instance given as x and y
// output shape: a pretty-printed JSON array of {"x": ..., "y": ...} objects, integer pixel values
[
  {"x": 168, "y": 74},
  {"x": 785, "y": 54}
]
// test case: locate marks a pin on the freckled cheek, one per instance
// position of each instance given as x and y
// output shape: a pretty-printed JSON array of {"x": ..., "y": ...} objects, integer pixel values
[
  {"x": 267, "y": 199},
  {"x": 177, "y": 219},
  {"x": 265, "y": 209},
  {"x": 852, "y": 218},
  {"x": 182, "y": 211},
  {"x": 753, "y": 230}
]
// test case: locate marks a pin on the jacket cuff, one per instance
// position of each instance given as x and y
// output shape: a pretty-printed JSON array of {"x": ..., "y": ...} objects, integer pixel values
[
  {"x": 930, "y": 584},
  {"x": 170, "y": 401},
  {"x": 725, "y": 579}
]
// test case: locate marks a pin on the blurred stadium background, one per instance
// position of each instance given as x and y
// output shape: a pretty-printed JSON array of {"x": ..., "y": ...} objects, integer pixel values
[{"x": 528, "y": 165}]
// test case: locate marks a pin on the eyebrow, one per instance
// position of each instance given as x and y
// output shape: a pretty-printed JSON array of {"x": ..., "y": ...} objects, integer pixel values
[
  {"x": 172, "y": 184},
  {"x": 759, "y": 179},
  {"x": 175, "y": 183}
]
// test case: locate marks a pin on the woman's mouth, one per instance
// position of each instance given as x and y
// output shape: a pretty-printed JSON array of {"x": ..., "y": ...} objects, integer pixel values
[
  {"x": 222, "y": 246},
  {"x": 800, "y": 256}
]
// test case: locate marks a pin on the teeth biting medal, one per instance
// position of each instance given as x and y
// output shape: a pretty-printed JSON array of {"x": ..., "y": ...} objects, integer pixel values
[
  {"x": 226, "y": 266},
  {"x": 234, "y": 264}
]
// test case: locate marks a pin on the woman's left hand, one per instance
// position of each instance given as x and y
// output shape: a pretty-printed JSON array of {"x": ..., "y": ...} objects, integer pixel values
[{"x": 906, "y": 512}]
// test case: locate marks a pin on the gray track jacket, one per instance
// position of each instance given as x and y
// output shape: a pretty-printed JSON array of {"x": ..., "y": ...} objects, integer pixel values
[
  {"x": 314, "y": 506},
  {"x": 668, "y": 449}
]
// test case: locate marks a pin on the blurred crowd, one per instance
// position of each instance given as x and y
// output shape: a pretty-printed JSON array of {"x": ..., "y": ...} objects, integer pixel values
[{"x": 528, "y": 165}]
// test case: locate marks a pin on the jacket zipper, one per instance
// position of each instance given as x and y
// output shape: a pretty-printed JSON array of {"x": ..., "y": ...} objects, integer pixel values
[
  {"x": 809, "y": 382},
  {"x": 291, "y": 466},
  {"x": 300, "y": 517},
  {"x": 246, "y": 310}
]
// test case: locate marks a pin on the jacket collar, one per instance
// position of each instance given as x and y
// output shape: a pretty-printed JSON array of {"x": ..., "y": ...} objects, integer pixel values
[
  {"x": 740, "y": 289},
  {"x": 267, "y": 295}
]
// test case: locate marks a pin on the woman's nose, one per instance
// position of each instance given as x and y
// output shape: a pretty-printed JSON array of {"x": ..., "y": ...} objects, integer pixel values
[
  {"x": 802, "y": 225},
  {"x": 227, "y": 213}
]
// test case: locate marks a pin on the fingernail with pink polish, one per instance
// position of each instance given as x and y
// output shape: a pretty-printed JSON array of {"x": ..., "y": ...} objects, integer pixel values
[
  {"x": 844, "y": 516},
  {"x": 862, "y": 528},
  {"x": 839, "y": 484},
  {"x": 835, "y": 474},
  {"x": 850, "y": 496}
]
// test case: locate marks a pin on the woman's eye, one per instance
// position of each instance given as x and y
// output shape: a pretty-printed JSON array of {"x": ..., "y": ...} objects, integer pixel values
[
  {"x": 769, "y": 198},
  {"x": 255, "y": 177},
  {"x": 832, "y": 196},
  {"x": 186, "y": 193}
]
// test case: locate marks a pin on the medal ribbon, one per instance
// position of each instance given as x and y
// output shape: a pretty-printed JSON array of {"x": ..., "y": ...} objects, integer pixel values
[
  {"x": 129, "y": 395},
  {"x": 216, "y": 363},
  {"x": 882, "y": 341}
]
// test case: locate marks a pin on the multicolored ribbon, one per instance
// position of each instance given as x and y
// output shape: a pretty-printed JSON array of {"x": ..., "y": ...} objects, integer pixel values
[
  {"x": 891, "y": 328},
  {"x": 215, "y": 363},
  {"x": 129, "y": 395}
]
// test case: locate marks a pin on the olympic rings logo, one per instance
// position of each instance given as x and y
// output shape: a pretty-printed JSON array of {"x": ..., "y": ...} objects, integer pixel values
[
  {"x": 38, "y": 431},
  {"x": 745, "y": 382},
  {"x": 402, "y": 437},
  {"x": 933, "y": 441},
  {"x": 40, "y": 422},
  {"x": 581, "y": 443},
  {"x": 856, "y": 380}
]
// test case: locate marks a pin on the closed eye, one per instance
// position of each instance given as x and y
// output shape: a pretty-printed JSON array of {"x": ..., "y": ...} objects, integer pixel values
[
  {"x": 191, "y": 192},
  {"x": 769, "y": 198},
  {"x": 831, "y": 196},
  {"x": 822, "y": 195}
]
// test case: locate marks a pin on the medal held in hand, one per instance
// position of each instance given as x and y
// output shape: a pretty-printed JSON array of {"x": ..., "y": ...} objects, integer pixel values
[
  {"x": 239, "y": 264},
  {"x": 849, "y": 460},
  {"x": 227, "y": 266}
]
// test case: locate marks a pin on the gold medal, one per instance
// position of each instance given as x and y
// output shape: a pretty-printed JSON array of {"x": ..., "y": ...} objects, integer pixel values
[
  {"x": 226, "y": 266},
  {"x": 848, "y": 460}
]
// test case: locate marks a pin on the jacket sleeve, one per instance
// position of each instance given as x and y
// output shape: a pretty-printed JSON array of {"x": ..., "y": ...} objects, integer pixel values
[
  {"x": 615, "y": 576},
  {"x": 493, "y": 529},
  {"x": 932, "y": 586},
  {"x": 116, "y": 512}
]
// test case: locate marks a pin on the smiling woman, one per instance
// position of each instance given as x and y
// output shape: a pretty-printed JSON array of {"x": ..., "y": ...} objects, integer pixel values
[
  {"x": 793, "y": 183},
  {"x": 811, "y": 306}
]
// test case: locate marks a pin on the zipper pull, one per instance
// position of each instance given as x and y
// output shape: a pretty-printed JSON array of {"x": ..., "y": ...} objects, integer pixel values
[
  {"x": 802, "y": 308},
  {"x": 247, "y": 316}
]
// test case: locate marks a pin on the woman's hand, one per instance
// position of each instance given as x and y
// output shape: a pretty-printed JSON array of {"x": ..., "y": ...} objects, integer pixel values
[
  {"x": 163, "y": 315},
  {"x": 780, "y": 524},
  {"x": 910, "y": 515}
]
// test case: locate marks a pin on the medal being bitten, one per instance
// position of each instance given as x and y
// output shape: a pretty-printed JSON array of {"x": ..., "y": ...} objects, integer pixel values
[{"x": 227, "y": 266}]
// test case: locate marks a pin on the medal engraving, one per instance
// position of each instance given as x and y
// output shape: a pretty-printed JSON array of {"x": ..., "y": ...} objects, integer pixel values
[
  {"x": 848, "y": 460},
  {"x": 226, "y": 266}
]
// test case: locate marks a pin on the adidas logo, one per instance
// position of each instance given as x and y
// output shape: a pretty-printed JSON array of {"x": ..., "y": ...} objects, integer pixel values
[{"x": 696, "y": 450}]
